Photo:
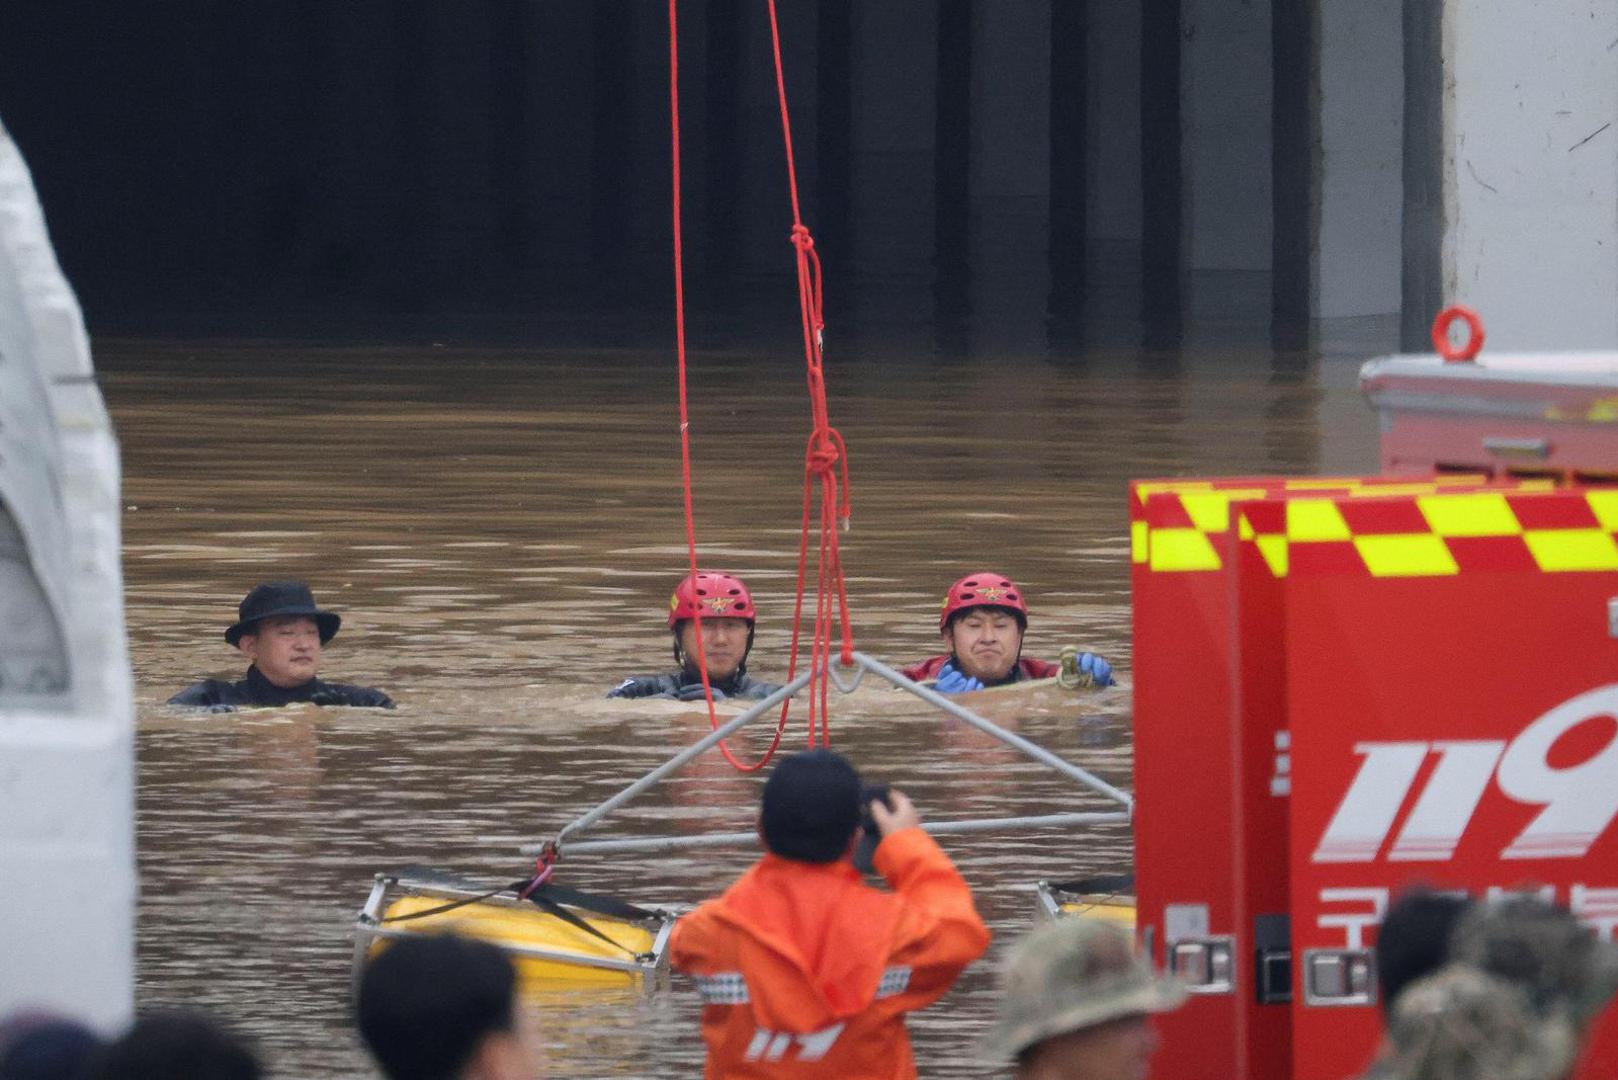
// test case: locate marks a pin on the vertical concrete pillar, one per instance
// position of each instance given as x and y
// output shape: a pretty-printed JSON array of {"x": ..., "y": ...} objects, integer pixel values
[
  {"x": 1162, "y": 170},
  {"x": 1530, "y": 170},
  {"x": 67, "y": 807},
  {"x": 1009, "y": 172},
  {"x": 766, "y": 208},
  {"x": 1113, "y": 132},
  {"x": 833, "y": 110},
  {"x": 894, "y": 51},
  {"x": 1226, "y": 140},
  {"x": 1360, "y": 125},
  {"x": 563, "y": 94},
  {"x": 1422, "y": 285}
]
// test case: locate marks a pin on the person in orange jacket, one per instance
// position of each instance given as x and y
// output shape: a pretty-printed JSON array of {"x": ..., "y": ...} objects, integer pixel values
[{"x": 805, "y": 970}]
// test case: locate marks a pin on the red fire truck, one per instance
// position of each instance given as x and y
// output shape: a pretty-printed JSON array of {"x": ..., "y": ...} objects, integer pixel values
[{"x": 1345, "y": 686}]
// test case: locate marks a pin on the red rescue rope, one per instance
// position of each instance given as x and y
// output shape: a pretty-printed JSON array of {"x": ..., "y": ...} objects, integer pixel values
[{"x": 825, "y": 457}]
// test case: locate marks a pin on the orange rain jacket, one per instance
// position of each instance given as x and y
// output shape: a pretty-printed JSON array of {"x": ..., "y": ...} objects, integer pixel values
[{"x": 805, "y": 970}]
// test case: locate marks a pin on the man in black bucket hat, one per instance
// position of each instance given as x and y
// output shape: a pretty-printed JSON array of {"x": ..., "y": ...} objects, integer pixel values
[{"x": 280, "y": 630}]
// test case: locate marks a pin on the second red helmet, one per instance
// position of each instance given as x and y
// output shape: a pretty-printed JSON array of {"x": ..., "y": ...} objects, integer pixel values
[
  {"x": 983, "y": 590},
  {"x": 719, "y": 596}
]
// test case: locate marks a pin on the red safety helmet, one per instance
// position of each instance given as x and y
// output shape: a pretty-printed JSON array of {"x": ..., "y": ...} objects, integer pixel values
[
  {"x": 983, "y": 590},
  {"x": 718, "y": 596}
]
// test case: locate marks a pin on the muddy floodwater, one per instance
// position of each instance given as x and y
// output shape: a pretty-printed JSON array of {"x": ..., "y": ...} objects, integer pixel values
[{"x": 500, "y": 528}]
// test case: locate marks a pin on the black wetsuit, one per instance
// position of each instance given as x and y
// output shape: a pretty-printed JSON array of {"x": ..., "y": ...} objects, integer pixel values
[
  {"x": 255, "y": 691},
  {"x": 686, "y": 685}
]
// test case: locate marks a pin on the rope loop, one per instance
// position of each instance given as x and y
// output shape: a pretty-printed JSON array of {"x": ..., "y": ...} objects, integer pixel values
[
  {"x": 823, "y": 455},
  {"x": 544, "y": 867}
]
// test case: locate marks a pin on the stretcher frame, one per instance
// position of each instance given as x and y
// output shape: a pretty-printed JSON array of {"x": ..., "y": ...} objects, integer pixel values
[{"x": 862, "y": 664}]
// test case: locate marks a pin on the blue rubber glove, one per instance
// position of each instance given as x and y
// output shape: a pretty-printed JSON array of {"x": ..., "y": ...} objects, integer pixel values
[
  {"x": 950, "y": 681},
  {"x": 694, "y": 693},
  {"x": 1097, "y": 668}
]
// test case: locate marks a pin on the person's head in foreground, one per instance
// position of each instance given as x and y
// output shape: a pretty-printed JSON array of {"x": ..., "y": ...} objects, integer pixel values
[
  {"x": 442, "y": 1007},
  {"x": 1539, "y": 947},
  {"x": 1464, "y": 1024},
  {"x": 728, "y": 619},
  {"x": 43, "y": 1046},
  {"x": 811, "y": 807},
  {"x": 1076, "y": 1003},
  {"x": 982, "y": 622},
  {"x": 174, "y": 1046},
  {"x": 280, "y": 630},
  {"x": 1413, "y": 939}
]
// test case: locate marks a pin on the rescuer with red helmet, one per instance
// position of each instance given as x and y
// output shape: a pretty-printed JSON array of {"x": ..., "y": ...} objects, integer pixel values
[
  {"x": 726, "y": 609},
  {"x": 982, "y": 622}
]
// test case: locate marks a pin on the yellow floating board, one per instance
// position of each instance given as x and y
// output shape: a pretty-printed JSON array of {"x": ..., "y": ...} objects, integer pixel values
[
  {"x": 545, "y": 949},
  {"x": 1056, "y": 902},
  {"x": 1114, "y": 909}
]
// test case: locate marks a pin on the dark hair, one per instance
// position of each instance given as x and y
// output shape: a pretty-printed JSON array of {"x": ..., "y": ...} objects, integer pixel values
[
  {"x": 1414, "y": 938},
  {"x": 427, "y": 1002},
  {"x": 174, "y": 1046},
  {"x": 811, "y": 807}
]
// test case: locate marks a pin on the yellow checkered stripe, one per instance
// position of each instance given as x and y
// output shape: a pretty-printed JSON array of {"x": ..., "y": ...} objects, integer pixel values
[
  {"x": 1462, "y": 531},
  {"x": 1436, "y": 531}
]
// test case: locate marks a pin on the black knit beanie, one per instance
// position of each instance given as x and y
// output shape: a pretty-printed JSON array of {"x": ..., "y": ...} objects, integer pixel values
[{"x": 811, "y": 807}]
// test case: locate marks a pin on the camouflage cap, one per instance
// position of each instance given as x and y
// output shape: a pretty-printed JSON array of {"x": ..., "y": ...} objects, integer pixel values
[
  {"x": 1464, "y": 1024},
  {"x": 1541, "y": 948},
  {"x": 1069, "y": 975}
]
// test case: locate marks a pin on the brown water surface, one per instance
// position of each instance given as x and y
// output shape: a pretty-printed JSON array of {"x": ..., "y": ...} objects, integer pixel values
[{"x": 500, "y": 529}]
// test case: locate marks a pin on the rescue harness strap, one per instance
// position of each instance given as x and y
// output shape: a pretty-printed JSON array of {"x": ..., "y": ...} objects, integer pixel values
[
  {"x": 550, "y": 898},
  {"x": 1098, "y": 885}
]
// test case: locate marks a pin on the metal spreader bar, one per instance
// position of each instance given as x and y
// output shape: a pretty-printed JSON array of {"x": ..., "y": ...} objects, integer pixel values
[
  {"x": 936, "y": 828},
  {"x": 696, "y": 749},
  {"x": 863, "y": 663},
  {"x": 1012, "y": 739}
]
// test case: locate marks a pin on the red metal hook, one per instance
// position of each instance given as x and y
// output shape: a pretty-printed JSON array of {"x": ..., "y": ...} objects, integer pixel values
[{"x": 1474, "y": 334}]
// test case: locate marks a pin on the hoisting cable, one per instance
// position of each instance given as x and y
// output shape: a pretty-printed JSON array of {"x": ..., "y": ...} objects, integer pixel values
[
  {"x": 825, "y": 456},
  {"x": 685, "y": 414}
]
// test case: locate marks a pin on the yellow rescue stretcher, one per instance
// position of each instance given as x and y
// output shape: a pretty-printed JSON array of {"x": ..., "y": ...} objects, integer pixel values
[
  {"x": 1108, "y": 896},
  {"x": 548, "y": 947}
]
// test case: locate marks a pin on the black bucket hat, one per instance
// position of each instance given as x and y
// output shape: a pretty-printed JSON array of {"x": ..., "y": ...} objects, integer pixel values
[{"x": 281, "y": 598}]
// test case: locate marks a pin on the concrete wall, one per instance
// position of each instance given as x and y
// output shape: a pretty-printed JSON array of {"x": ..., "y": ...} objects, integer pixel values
[
  {"x": 67, "y": 812},
  {"x": 1361, "y": 155},
  {"x": 1531, "y": 170}
]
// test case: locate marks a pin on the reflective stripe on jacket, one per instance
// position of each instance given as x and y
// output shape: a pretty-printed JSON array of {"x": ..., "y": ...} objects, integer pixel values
[{"x": 805, "y": 970}]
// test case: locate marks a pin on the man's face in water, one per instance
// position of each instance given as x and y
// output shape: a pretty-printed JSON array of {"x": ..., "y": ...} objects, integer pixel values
[
  {"x": 284, "y": 648},
  {"x": 724, "y": 643},
  {"x": 986, "y": 642}
]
